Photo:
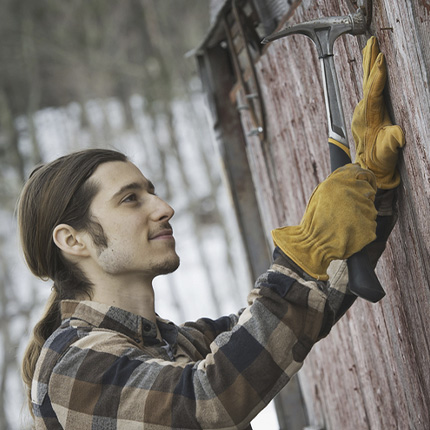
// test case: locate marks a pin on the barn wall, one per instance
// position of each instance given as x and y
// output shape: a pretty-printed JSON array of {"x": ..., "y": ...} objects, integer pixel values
[{"x": 372, "y": 372}]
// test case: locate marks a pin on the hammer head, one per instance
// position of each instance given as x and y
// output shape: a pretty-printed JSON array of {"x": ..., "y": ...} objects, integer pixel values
[{"x": 324, "y": 31}]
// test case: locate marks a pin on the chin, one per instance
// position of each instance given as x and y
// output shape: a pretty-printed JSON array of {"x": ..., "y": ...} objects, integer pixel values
[{"x": 168, "y": 266}]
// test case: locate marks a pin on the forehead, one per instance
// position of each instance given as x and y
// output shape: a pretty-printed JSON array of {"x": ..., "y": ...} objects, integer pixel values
[{"x": 112, "y": 176}]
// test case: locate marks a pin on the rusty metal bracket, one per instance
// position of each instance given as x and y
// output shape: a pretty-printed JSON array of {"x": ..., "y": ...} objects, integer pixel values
[{"x": 246, "y": 73}]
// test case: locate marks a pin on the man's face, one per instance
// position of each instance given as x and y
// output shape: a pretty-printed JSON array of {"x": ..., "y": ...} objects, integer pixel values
[{"x": 135, "y": 222}]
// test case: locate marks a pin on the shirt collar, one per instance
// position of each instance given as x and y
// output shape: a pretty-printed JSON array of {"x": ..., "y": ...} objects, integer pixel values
[{"x": 112, "y": 318}]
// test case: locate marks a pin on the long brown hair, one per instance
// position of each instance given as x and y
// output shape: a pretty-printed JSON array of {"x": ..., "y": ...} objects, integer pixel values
[{"x": 57, "y": 192}]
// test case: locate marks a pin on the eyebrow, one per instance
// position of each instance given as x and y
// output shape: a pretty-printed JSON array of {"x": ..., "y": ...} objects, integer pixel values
[{"x": 137, "y": 186}]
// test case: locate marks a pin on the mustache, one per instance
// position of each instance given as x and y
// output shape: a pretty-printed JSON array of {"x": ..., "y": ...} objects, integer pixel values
[{"x": 164, "y": 227}]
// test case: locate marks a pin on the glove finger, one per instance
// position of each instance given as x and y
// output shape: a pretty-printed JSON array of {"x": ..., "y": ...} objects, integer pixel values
[
  {"x": 358, "y": 122},
  {"x": 370, "y": 53},
  {"x": 350, "y": 172},
  {"x": 375, "y": 84},
  {"x": 389, "y": 140},
  {"x": 397, "y": 132},
  {"x": 365, "y": 192},
  {"x": 364, "y": 197},
  {"x": 368, "y": 176}
]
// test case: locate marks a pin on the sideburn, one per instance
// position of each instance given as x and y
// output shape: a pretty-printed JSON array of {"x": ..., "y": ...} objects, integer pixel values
[{"x": 97, "y": 234}]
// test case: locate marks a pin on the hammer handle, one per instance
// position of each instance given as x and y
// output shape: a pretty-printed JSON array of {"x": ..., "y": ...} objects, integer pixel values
[{"x": 363, "y": 281}]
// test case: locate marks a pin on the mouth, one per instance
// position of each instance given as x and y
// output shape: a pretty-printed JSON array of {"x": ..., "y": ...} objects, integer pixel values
[{"x": 165, "y": 234}]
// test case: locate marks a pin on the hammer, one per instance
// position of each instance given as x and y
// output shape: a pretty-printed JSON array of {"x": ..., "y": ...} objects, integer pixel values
[{"x": 323, "y": 32}]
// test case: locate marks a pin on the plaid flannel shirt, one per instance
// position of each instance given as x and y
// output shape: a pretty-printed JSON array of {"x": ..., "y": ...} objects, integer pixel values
[{"x": 105, "y": 369}]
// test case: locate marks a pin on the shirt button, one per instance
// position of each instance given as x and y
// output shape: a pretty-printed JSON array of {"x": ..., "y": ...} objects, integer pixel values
[{"x": 146, "y": 327}]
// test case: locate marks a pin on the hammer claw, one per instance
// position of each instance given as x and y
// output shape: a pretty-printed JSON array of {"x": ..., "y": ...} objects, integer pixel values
[{"x": 324, "y": 31}]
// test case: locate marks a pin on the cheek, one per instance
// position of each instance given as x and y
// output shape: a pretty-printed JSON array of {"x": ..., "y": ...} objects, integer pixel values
[
  {"x": 112, "y": 261},
  {"x": 117, "y": 255},
  {"x": 121, "y": 252}
]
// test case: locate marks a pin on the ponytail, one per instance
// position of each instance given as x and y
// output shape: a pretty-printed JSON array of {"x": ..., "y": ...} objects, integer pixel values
[{"x": 49, "y": 322}]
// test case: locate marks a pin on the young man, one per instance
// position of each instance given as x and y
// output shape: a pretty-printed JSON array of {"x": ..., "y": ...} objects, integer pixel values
[{"x": 101, "y": 358}]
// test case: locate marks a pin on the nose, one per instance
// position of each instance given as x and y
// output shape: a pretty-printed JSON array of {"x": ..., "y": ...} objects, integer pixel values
[{"x": 162, "y": 210}]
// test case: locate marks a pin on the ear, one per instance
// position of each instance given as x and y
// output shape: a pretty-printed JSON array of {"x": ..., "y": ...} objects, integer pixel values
[{"x": 70, "y": 241}]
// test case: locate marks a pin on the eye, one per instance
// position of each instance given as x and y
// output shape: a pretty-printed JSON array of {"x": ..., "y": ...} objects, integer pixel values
[{"x": 129, "y": 198}]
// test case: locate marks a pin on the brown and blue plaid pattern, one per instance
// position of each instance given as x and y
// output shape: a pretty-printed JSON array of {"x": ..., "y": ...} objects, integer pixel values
[{"x": 105, "y": 369}]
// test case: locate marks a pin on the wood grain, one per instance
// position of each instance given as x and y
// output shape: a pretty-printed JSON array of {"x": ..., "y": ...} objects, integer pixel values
[{"x": 372, "y": 372}]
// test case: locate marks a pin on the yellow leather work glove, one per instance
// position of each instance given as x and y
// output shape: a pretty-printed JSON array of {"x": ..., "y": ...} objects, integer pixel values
[
  {"x": 340, "y": 219},
  {"x": 377, "y": 140}
]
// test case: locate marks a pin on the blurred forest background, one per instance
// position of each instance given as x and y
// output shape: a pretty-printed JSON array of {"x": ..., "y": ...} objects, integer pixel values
[{"x": 104, "y": 73}]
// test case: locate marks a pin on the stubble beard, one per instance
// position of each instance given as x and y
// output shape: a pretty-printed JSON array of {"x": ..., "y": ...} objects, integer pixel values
[
  {"x": 167, "y": 266},
  {"x": 115, "y": 263}
]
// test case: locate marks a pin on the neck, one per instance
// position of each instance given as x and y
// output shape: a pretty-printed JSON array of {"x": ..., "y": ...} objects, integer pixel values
[{"x": 132, "y": 295}]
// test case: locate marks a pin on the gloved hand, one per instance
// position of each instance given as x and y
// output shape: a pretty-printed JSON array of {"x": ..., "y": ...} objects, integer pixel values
[
  {"x": 339, "y": 221},
  {"x": 377, "y": 141}
]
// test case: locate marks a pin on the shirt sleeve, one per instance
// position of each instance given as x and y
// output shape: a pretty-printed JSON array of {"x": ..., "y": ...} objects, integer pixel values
[
  {"x": 203, "y": 332},
  {"x": 106, "y": 381}
]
